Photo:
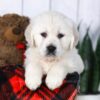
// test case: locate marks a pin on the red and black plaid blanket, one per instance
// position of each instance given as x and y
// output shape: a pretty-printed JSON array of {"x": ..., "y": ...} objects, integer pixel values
[{"x": 12, "y": 87}]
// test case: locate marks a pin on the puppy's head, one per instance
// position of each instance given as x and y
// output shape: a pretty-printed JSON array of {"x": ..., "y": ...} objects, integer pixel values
[{"x": 52, "y": 34}]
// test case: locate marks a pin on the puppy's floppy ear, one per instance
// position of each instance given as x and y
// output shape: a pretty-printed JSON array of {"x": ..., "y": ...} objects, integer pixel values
[
  {"x": 29, "y": 36},
  {"x": 75, "y": 37}
]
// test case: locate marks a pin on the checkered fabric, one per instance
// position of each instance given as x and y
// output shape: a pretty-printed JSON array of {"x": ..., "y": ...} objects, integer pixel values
[{"x": 12, "y": 86}]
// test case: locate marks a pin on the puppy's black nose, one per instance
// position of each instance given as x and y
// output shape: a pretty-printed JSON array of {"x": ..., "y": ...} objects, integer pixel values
[{"x": 51, "y": 48}]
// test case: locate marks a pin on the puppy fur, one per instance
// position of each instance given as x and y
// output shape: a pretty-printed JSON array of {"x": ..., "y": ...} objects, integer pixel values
[{"x": 66, "y": 58}]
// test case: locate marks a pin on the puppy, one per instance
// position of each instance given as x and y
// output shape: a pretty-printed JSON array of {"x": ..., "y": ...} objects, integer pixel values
[{"x": 51, "y": 38}]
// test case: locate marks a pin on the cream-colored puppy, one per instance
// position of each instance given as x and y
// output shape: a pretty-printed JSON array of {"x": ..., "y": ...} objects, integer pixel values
[{"x": 51, "y": 38}]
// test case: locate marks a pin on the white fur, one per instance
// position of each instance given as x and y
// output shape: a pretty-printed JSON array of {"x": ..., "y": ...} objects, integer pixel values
[{"x": 67, "y": 60}]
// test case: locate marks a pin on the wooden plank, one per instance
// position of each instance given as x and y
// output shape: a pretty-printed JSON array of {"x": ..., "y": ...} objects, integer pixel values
[
  {"x": 10, "y": 6},
  {"x": 89, "y": 11},
  {"x": 89, "y": 15},
  {"x": 68, "y": 7},
  {"x": 35, "y": 7}
]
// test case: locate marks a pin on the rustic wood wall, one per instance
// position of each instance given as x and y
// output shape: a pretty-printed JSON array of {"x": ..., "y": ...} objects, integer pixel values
[{"x": 85, "y": 11}]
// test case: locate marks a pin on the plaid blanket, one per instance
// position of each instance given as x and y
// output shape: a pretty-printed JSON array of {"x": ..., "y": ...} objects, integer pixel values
[{"x": 12, "y": 87}]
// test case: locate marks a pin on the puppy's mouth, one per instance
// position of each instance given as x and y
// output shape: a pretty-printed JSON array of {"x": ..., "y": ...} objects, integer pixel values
[
  {"x": 51, "y": 54},
  {"x": 51, "y": 58}
]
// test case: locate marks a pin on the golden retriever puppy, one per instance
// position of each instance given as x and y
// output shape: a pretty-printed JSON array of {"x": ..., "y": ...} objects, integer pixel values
[{"x": 51, "y": 51}]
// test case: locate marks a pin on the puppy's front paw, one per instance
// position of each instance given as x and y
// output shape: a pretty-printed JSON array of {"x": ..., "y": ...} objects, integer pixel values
[
  {"x": 32, "y": 83},
  {"x": 53, "y": 81}
]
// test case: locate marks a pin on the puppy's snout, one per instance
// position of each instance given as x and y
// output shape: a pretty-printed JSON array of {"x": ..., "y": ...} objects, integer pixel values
[{"x": 51, "y": 49}]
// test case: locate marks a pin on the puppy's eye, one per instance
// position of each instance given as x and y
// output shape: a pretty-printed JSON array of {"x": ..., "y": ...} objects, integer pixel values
[
  {"x": 44, "y": 34},
  {"x": 60, "y": 35}
]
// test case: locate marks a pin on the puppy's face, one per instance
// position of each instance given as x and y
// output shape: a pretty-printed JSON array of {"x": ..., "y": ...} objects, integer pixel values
[{"x": 53, "y": 34}]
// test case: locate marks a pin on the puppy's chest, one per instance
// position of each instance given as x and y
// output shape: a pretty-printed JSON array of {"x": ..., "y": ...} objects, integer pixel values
[{"x": 46, "y": 66}]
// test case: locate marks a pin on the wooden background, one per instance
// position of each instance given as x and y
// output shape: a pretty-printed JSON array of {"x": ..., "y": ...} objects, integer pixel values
[{"x": 85, "y": 11}]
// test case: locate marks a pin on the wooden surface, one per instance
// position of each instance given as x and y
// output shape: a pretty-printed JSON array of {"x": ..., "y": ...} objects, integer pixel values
[{"x": 85, "y": 11}]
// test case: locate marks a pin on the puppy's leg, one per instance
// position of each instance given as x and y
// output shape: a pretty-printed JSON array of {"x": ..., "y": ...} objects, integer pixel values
[
  {"x": 56, "y": 76},
  {"x": 70, "y": 63},
  {"x": 33, "y": 71},
  {"x": 74, "y": 62}
]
